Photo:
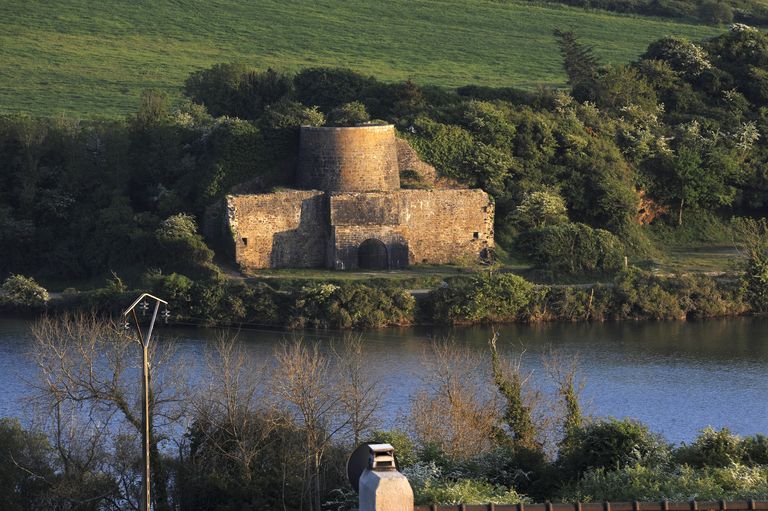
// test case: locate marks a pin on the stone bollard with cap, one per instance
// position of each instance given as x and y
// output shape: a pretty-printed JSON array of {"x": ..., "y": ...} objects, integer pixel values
[{"x": 372, "y": 472}]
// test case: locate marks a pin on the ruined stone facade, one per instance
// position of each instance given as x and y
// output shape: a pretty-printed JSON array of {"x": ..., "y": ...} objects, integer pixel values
[{"x": 352, "y": 213}]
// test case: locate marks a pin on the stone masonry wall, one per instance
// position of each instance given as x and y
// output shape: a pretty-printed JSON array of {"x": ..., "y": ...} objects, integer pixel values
[
  {"x": 279, "y": 230},
  {"x": 362, "y": 158},
  {"x": 369, "y": 208},
  {"x": 447, "y": 226},
  {"x": 417, "y": 226},
  {"x": 346, "y": 240}
]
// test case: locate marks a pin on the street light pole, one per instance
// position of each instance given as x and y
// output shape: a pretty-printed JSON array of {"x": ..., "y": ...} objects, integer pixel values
[{"x": 144, "y": 342}]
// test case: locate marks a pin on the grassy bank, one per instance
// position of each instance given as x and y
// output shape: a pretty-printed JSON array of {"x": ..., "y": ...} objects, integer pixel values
[{"x": 93, "y": 59}]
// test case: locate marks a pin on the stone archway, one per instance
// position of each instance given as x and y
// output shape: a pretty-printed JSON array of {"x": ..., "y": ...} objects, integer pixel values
[{"x": 372, "y": 255}]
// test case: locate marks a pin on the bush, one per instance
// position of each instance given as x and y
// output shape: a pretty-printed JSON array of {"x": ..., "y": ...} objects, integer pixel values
[
  {"x": 25, "y": 468},
  {"x": 680, "y": 484},
  {"x": 236, "y": 90},
  {"x": 573, "y": 248},
  {"x": 755, "y": 450},
  {"x": 327, "y": 88},
  {"x": 682, "y": 55},
  {"x": 430, "y": 486},
  {"x": 712, "y": 449},
  {"x": 348, "y": 114},
  {"x": 613, "y": 444},
  {"x": 254, "y": 468},
  {"x": 485, "y": 298},
  {"x": 756, "y": 283},
  {"x": 715, "y": 12},
  {"x": 350, "y": 306},
  {"x": 290, "y": 114},
  {"x": 540, "y": 209},
  {"x": 445, "y": 146},
  {"x": 21, "y": 291},
  {"x": 642, "y": 295},
  {"x": 573, "y": 304},
  {"x": 181, "y": 248}
]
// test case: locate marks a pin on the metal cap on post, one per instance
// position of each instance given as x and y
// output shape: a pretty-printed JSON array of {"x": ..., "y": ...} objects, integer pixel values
[{"x": 373, "y": 473}]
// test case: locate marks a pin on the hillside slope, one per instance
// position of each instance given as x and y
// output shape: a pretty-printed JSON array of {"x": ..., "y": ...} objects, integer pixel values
[{"x": 92, "y": 59}]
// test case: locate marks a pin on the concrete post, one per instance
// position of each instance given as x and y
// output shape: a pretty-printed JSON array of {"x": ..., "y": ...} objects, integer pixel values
[{"x": 382, "y": 487}]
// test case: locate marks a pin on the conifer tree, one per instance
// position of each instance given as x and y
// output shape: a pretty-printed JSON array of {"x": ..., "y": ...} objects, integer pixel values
[{"x": 580, "y": 64}]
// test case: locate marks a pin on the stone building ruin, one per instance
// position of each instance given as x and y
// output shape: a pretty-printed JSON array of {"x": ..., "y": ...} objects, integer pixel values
[{"x": 349, "y": 211}]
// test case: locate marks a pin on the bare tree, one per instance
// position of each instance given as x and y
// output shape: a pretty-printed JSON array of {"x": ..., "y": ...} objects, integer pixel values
[
  {"x": 89, "y": 367},
  {"x": 235, "y": 416},
  {"x": 359, "y": 393},
  {"x": 302, "y": 380},
  {"x": 458, "y": 411}
]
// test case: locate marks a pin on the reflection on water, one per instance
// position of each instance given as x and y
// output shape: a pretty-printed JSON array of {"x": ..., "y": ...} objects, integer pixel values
[{"x": 676, "y": 376}]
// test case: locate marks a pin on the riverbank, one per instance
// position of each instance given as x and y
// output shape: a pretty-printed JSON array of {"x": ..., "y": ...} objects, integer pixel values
[{"x": 472, "y": 298}]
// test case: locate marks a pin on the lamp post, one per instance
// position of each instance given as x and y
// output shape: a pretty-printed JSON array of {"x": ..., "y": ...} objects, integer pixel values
[{"x": 144, "y": 342}]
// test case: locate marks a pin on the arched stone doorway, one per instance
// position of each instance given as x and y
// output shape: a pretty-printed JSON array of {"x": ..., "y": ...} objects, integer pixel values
[{"x": 372, "y": 255}]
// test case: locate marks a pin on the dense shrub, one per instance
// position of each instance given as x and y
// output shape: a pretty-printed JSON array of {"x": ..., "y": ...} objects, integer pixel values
[
  {"x": 485, "y": 298},
  {"x": 237, "y": 90},
  {"x": 430, "y": 485},
  {"x": 181, "y": 248},
  {"x": 348, "y": 114},
  {"x": 327, "y": 88},
  {"x": 539, "y": 209},
  {"x": 573, "y": 248},
  {"x": 712, "y": 449},
  {"x": 567, "y": 303},
  {"x": 290, "y": 114},
  {"x": 756, "y": 283},
  {"x": 613, "y": 444},
  {"x": 755, "y": 450},
  {"x": 350, "y": 306},
  {"x": 675, "y": 484},
  {"x": 447, "y": 147},
  {"x": 252, "y": 468},
  {"x": 21, "y": 291},
  {"x": 25, "y": 468},
  {"x": 642, "y": 295}
]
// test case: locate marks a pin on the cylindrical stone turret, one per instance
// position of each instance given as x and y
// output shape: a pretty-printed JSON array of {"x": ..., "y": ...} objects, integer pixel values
[{"x": 355, "y": 159}]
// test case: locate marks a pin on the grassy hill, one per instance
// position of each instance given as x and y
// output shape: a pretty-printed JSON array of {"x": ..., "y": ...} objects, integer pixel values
[{"x": 92, "y": 59}]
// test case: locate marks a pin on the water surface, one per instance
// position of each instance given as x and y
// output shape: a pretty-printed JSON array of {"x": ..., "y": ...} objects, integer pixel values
[{"x": 675, "y": 376}]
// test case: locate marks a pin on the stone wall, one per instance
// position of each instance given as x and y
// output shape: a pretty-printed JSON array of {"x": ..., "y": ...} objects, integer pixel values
[
  {"x": 447, "y": 226},
  {"x": 370, "y": 208},
  {"x": 362, "y": 158},
  {"x": 287, "y": 229},
  {"x": 417, "y": 226},
  {"x": 346, "y": 240}
]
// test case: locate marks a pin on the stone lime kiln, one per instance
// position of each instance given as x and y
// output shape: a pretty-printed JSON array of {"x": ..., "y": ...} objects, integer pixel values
[{"x": 350, "y": 213}]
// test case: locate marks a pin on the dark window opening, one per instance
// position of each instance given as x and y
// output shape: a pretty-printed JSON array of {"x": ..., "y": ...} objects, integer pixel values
[
  {"x": 475, "y": 234},
  {"x": 245, "y": 241}
]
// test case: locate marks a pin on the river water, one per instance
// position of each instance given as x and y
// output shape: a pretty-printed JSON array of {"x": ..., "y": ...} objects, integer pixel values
[{"x": 677, "y": 377}]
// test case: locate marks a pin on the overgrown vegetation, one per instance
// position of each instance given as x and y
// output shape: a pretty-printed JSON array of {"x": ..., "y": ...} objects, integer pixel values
[{"x": 583, "y": 182}]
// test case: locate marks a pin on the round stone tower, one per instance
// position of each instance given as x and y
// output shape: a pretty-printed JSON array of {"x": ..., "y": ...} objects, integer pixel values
[{"x": 356, "y": 159}]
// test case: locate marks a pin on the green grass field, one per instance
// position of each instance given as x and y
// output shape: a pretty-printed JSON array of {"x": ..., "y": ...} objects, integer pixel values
[{"x": 92, "y": 59}]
